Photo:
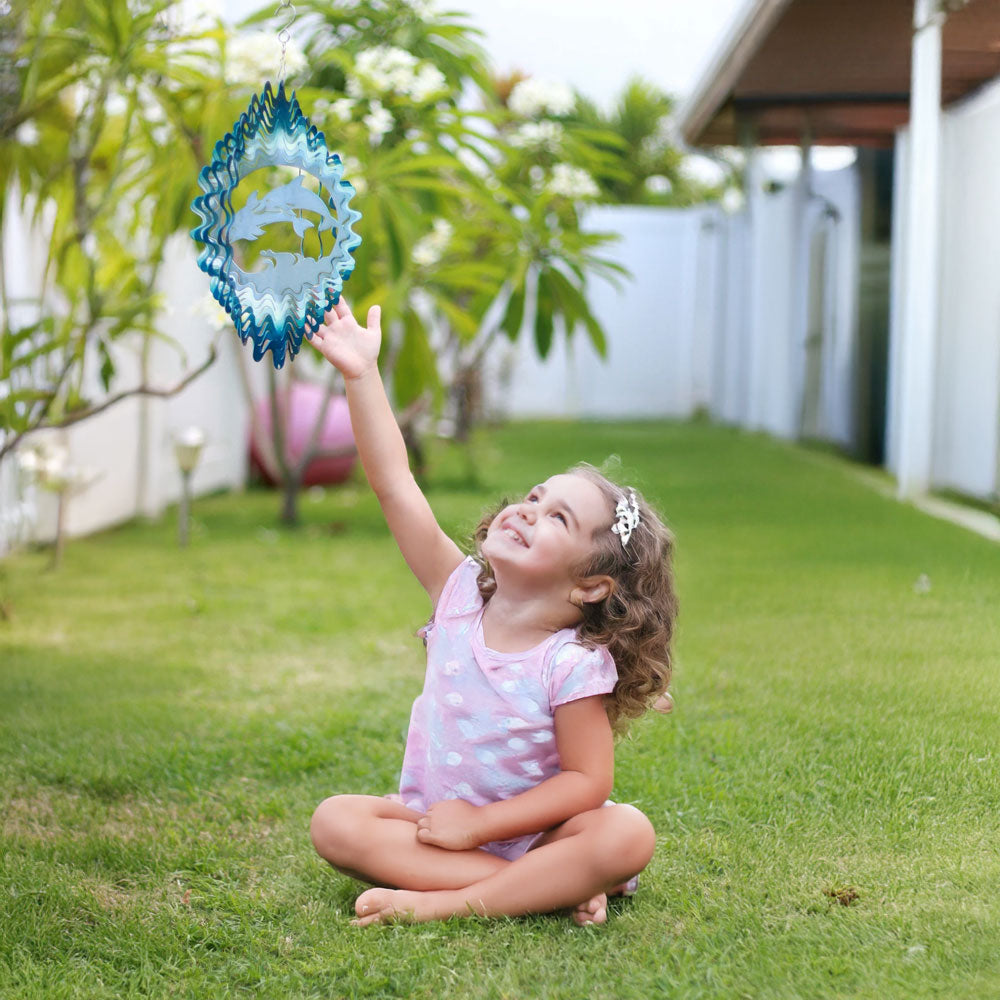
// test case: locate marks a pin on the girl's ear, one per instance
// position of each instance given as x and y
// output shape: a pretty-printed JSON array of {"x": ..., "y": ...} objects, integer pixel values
[{"x": 591, "y": 590}]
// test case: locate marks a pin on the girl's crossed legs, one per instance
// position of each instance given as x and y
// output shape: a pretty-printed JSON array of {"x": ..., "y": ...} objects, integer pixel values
[{"x": 572, "y": 866}]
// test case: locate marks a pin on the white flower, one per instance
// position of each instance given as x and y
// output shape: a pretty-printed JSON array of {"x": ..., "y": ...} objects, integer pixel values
[
  {"x": 378, "y": 121},
  {"x": 427, "y": 81},
  {"x": 352, "y": 174},
  {"x": 424, "y": 9},
  {"x": 538, "y": 135},
  {"x": 343, "y": 109},
  {"x": 657, "y": 184},
  {"x": 193, "y": 15},
  {"x": 207, "y": 308},
  {"x": 572, "y": 182},
  {"x": 430, "y": 249},
  {"x": 699, "y": 169},
  {"x": 536, "y": 175},
  {"x": 655, "y": 145},
  {"x": 27, "y": 134},
  {"x": 257, "y": 54},
  {"x": 386, "y": 69},
  {"x": 29, "y": 461},
  {"x": 533, "y": 97}
]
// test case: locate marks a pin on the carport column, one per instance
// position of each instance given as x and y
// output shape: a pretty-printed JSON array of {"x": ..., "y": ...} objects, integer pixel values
[
  {"x": 920, "y": 282},
  {"x": 754, "y": 349},
  {"x": 799, "y": 326}
]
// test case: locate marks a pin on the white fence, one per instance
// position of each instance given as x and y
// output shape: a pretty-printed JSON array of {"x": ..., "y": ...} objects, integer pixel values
[
  {"x": 130, "y": 446},
  {"x": 752, "y": 317},
  {"x": 966, "y": 405},
  {"x": 714, "y": 319}
]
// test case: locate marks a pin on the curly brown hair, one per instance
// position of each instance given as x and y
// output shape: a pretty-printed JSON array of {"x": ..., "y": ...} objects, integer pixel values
[{"x": 635, "y": 622}]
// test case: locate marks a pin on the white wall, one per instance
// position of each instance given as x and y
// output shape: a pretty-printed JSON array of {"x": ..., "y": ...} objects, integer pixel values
[
  {"x": 966, "y": 400},
  {"x": 651, "y": 323},
  {"x": 710, "y": 319},
  {"x": 967, "y": 404},
  {"x": 130, "y": 446}
]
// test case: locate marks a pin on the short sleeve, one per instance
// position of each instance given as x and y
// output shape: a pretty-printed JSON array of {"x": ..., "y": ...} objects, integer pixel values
[
  {"x": 459, "y": 596},
  {"x": 580, "y": 672}
]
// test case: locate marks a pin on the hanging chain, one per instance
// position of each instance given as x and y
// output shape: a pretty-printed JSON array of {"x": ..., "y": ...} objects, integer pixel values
[{"x": 284, "y": 35}]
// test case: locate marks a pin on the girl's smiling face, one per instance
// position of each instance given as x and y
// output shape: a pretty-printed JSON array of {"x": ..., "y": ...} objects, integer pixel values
[{"x": 550, "y": 532}]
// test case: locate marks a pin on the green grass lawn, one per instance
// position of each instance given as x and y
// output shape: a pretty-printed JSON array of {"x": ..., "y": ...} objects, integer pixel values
[{"x": 826, "y": 793}]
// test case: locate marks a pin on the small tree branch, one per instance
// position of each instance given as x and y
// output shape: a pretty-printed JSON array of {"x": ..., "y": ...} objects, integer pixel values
[{"x": 90, "y": 411}]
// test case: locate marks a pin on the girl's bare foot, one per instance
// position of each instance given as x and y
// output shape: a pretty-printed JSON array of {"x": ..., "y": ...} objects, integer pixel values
[
  {"x": 593, "y": 911},
  {"x": 388, "y": 906},
  {"x": 384, "y": 906}
]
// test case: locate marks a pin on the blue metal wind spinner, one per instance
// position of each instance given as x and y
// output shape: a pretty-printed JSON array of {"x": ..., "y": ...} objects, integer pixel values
[{"x": 276, "y": 305}]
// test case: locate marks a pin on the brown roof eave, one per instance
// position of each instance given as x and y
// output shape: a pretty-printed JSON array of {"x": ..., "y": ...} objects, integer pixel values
[{"x": 717, "y": 82}]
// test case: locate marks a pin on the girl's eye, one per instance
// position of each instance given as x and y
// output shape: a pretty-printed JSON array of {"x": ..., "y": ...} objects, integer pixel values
[
  {"x": 560, "y": 517},
  {"x": 532, "y": 498}
]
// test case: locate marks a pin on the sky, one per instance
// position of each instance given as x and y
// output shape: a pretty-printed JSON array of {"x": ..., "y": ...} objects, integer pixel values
[{"x": 595, "y": 46}]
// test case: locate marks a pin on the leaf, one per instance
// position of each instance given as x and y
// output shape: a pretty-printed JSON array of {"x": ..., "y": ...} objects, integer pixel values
[
  {"x": 107, "y": 369},
  {"x": 514, "y": 316},
  {"x": 415, "y": 369},
  {"x": 464, "y": 324},
  {"x": 544, "y": 324}
]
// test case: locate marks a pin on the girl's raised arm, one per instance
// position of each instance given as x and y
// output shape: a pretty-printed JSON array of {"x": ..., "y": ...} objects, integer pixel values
[{"x": 353, "y": 350}]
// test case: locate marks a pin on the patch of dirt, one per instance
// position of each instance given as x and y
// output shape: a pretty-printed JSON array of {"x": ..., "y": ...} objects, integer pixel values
[{"x": 843, "y": 894}]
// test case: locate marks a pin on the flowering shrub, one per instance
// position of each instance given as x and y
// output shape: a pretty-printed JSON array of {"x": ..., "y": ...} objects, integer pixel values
[
  {"x": 386, "y": 69},
  {"x": 568, "y": 181},
  {"x": 646, "y": 165},
  {"x": 248, "y": 53},
  {"x": 545, "y": 135},
  {"x": 429, "y": 250},
  {"x": 534, "y": 97}
]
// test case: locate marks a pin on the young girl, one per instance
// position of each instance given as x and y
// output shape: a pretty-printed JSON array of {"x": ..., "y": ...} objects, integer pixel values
[{"x": 537, "y": 650}]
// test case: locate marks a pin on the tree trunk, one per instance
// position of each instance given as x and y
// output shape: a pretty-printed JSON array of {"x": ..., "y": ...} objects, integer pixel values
[{"x": 290, "y": 489}]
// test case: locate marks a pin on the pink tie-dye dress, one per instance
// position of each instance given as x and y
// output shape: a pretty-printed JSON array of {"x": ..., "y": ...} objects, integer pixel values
[{"x": 483, "y": 728}]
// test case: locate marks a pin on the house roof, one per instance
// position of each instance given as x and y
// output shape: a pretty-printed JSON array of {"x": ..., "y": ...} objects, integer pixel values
[{"x": 835, "y": 70}]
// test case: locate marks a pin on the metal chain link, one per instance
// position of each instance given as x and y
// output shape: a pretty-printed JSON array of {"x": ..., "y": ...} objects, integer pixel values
[{"x": 283, "y": 34}]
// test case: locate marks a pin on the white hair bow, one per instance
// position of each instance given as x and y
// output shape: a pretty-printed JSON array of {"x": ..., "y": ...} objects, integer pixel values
[{"x": 627, "y": 513}]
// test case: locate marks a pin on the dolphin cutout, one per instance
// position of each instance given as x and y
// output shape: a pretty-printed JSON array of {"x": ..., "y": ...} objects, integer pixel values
[{"x": 279, "y": 205}]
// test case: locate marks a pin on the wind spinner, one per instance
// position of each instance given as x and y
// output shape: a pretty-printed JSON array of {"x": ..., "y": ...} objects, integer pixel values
[{"x": 276, "y": 305}]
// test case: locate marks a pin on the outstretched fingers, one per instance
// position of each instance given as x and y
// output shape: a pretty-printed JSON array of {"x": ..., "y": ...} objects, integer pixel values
[{"x": 341, "y": 309}]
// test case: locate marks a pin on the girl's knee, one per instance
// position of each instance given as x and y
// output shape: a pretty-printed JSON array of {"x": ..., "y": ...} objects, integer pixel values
[
  {"x": 334, "y": 827},
  {"x": 632, "y": 834}
]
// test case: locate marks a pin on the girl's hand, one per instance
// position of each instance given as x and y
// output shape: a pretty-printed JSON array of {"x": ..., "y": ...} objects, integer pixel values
[
  {"x": 450, "y": 824},
  {"x": 345, "y": 343}
]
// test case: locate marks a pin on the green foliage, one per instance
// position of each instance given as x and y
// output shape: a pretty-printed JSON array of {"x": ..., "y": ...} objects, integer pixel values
[
  {"x": 102, "y": 144},
  {"x": 648, "y": 168},
  {"x": 460, "y": 221},
  {"x": 824, "y": 793},
  {"x": 466, "y": 212}
]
